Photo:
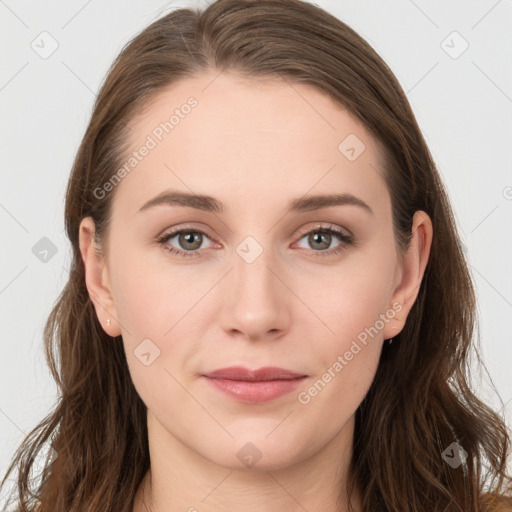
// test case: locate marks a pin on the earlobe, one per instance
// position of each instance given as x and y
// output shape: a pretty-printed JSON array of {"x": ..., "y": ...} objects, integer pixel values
[
  {"x": 96, "y": 278},
  {"x": 413, "y": 267}
]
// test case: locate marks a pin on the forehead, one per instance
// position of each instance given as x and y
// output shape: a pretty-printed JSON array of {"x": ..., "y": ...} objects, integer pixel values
[{"x": 216, "y": 133}]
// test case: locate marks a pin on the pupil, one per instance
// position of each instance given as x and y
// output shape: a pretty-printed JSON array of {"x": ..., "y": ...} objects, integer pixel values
[
  {"x": 317, "y": 238},
  {"x": 190, "y": 238}
]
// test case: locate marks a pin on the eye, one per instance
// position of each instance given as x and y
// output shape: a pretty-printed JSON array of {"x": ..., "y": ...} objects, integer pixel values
[
  {"x": 320, "y": 239},
  {"x": 191, "y": 241}
]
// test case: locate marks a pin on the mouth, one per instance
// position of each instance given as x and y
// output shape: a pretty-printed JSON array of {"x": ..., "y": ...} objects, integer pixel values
[{"x": 254, "y": 386}]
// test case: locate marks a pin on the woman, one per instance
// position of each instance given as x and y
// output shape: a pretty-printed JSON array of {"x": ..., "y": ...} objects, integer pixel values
[{"x": 268, "y": 305}]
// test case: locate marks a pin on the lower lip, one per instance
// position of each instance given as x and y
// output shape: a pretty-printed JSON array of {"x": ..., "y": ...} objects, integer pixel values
[{"x": 256, "y": 392}]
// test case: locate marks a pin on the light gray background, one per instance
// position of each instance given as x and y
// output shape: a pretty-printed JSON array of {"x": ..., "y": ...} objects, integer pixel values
[{"x": 463, "y": 106}]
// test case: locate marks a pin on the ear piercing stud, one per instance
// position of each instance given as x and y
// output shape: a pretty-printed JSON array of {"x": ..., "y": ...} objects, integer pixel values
[{"x": 108, "y": 321}]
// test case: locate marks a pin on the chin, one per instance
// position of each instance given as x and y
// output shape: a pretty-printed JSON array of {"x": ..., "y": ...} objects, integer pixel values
[{"x": 254, "y": 452}]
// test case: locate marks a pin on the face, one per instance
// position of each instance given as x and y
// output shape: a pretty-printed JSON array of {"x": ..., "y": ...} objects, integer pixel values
[{"x": 262, "y": 273}]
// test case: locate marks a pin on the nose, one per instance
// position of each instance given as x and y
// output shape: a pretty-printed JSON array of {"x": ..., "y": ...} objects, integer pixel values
[{"x": 257, "y": 301}]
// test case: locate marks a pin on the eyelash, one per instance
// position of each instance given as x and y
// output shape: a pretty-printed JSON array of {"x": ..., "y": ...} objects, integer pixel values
[{"x": 343, "y": 237}]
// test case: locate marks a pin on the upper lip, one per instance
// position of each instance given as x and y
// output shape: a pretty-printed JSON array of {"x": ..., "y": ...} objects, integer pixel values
[{"x": 260, "y": 374}]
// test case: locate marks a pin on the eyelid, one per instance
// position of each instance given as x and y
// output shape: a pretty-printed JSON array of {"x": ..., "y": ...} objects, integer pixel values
[
  {"x": 324, "y": 225},
  {"x": 185, "y": 227}
]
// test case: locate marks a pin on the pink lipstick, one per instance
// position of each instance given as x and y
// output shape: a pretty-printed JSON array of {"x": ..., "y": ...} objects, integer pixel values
[{"x": 255, "y": 386}]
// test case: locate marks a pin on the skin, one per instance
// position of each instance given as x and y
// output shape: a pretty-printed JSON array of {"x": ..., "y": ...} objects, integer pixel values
[{"x": 254, "y": 145}]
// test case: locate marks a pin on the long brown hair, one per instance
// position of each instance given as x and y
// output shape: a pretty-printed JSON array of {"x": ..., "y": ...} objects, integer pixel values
[{"x": 420, "y": 401}]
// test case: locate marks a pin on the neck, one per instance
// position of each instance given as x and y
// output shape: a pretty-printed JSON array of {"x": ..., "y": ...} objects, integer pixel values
[{"x": 182, "y": 480}]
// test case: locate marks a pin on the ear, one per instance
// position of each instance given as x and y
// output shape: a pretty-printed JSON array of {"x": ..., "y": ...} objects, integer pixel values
[
  {"x": 410, "y": 273},
  {"x": 97, "y": 278}
]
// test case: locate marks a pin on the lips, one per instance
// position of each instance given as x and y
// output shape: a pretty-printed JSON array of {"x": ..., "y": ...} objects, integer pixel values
[
  {"x": 261, "y": 374},
  {"x": 254, "y": 386}
]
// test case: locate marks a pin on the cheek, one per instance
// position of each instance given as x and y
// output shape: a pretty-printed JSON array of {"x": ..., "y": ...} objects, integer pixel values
[
  {"x": 159, "y": 309},
  {"x": 351, "y": 299},
  {"x": 150, "y": 299},
  {"x": 346, "y": 356},
  {"x": 353, "y": 310}
]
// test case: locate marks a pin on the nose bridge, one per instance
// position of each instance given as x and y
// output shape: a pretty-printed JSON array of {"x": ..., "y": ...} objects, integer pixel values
[
  {"x": 251, "y": 275},
  {"x": 256, "y": 297}
]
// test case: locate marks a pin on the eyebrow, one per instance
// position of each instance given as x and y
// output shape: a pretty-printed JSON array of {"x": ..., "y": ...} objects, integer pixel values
[{"x": 210, "y": 204}]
